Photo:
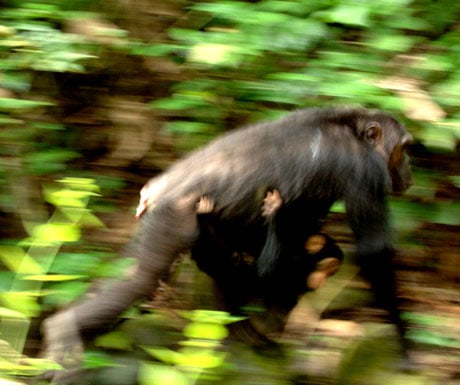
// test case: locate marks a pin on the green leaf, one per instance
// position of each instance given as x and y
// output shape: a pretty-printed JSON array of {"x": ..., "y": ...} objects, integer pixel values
[
  {"x": 202, "y": 344},
  {"x": 163, "y": 354},
  {"x": 446, "y": 92},
  {"x": 75, "y": 263},
  {"x": 18, "y": 261},
  {"x": 206, "y": 331},
  {"x": 84, "y": 184},
  {"x": 52, "y": 277},
  {"x": 49, "y": 126},
  {"x": 21, "y": 302},
  {"x": 8, "y": 121},
  {"x": 49, "y": 161},
  {"x": 297, "y": 8},
  {"x": 155, "y": 50},
  {"x": 424, "y": 187},
  {"x": 116, "y": 267},
  {"x": 16, "y": 81},
  {"x": 201, "y": 358},
  {"x": 348, "y": 14},
  {"x": 179, "y": 127},
  {"x": 408, "y": 215},
  {"x": 94, "y": 360},
  {"x": 115, "y": 340},
  {"x": 422, "y": 319},
  {"x": 448, "y": 214},
  {"x": 210, "y": 316},
  {"x": 64, "y": 292},
  {"x": 455, "y": 180},
  {"x": 432, "y": 338},
  {"x": 9, "y": 313},
  {"x": 397, "y": 43},
  {"x": 74, "y": 199},
  {"x": 56, "y": 233},
  {"x": 11, "y": 104},
  {"x": 231, "y": 10},
  {"x": 87, "y": 220},
  {"x": 438, "y": 136},
  {"x": 151, "y": 374},
  {"x": 177, "y": 102},
  {"x": 338, "y": 207},
  {"x": 13, "y": 368},
  {"x": 40, "y": 365}
]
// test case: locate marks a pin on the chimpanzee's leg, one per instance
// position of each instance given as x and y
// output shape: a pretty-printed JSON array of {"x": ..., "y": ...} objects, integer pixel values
[
  {"x": 380, "y": 271},
  {"x": 165, "y": 232}
]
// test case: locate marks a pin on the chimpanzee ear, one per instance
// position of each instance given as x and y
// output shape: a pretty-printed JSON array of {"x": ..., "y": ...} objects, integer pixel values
[{"x": 373, "y": 133}]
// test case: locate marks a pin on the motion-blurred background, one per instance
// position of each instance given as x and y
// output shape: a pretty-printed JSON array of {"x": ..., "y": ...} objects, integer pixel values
[{"x": 98, "y": 96}]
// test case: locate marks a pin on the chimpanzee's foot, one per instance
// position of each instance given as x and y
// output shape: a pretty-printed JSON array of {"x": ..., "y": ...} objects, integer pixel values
[{"x": 63, "y": 343}]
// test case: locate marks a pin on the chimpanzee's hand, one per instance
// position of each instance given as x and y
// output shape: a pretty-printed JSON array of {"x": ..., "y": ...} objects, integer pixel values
[{"x": 272, "y": 202}]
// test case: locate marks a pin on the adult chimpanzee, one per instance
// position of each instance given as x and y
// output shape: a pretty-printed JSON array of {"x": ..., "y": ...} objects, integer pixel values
[{"x": 313, "y": 157}]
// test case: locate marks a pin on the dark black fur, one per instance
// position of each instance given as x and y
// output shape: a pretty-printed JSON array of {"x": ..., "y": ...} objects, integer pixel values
[
  {"x": 236, "y": 275},
  {"x": 313, "y": 157}
]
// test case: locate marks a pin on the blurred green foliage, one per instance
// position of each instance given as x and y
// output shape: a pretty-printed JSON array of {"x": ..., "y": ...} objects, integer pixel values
[
  {"x": 215, "y": 65},
  {"x": 254, "y": 58},
  {"x": 29, "y": 276},
  {"x": 201, "y": 353}
]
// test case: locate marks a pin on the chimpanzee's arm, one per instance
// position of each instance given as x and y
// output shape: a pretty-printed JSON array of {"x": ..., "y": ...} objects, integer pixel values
[{"x": 270, "y": 253}]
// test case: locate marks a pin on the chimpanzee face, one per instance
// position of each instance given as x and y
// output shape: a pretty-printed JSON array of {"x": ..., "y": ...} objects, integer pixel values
[
  {"x": 390, "y": 139},
  {"x": 328, "y": 257},
  {"x": 399, "y": 166}
]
